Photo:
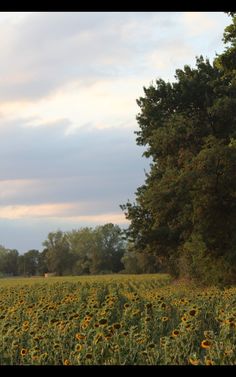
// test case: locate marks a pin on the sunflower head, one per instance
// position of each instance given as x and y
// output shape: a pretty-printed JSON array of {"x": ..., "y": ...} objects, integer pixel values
[
  {"x": 23, "y": 351},
  {"x": 164, "y": 319},
  {"x": 103, "y": 321},
  {"x": 175, "y": 333},
  {"x": 206, "y": 344},
  {"x": 78, "y": 347},
  {"x": 80, "y": 336},
  {"x": 116, "y": 326},
  {"x": 192, "y": 312},
  {"x": 193, "y": 361}
]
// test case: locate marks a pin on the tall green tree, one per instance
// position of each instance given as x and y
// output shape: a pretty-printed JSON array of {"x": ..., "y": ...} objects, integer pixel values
[
  {"x": 9, "y": 261},
  {"x": 110, "y": 248},
  {"x": 185, "y": 213},
  {"x": 58, "y": 256},
  {"x": 28, "y": 263},
  {"x": 82, "y": 245},
  {"x": 97, "y": 250}
]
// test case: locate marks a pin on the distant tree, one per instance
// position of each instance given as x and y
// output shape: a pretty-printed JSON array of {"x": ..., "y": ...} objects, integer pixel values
[
  {"x": 82, "y": 244},
  {"x": 57, "y": 252},
  {"x": 3, "y": 255},
  {"x": 11, "y": 262},
  {"x": 42, "y": 262},
  {"x": 28, "y": 263},
  {"x": 97, "y": 250},
  {"x": 110, "y": 248}
]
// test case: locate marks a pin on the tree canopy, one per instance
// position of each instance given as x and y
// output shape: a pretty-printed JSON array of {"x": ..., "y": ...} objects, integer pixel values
[{"x": 185, "y": 212}]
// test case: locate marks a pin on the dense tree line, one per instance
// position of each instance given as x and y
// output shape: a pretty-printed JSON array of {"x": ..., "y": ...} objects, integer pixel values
[
  {"x": 184, "y": 216},
  {"x": 83, "y": 251}
]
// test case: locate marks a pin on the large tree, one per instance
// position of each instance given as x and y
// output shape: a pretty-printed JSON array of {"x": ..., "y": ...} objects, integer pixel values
[
  {"x": 97, "y": 250},
  {"x": 57, "y": 253},
  {"x": 185, "y": 213}
]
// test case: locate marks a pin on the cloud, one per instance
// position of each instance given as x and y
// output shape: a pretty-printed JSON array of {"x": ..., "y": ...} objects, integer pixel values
[
  {"x": 45, "y": 51},
  {"x": 67, "y": 211},
  {"x": 46, "y": 152},
  {"x": 45, "y": 172},
  {"x": 43, "y": 210},
  {"x": 68, "y": 89},
  {"x": 106, "y": 103},
  {"x": 193, "y": 20}
]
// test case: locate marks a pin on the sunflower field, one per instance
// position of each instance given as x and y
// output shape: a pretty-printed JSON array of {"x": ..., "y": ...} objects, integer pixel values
[{"x": 116, "y": 319}]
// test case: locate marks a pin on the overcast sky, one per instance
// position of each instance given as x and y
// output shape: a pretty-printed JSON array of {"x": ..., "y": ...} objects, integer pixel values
[{"x": 68, "y": 89}]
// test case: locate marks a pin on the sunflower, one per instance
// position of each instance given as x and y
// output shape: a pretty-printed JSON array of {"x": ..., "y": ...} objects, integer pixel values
[
  {"x": 193, "y": 361},
  {"x": 89, "y": 356},
  {"x": 23, "y": 351},
  {"x": 164, "y": 319},
  {"x": 66, "y": 362},
  {"x": 103, "y": 321},
  {"x": 79, "y": 336},
  {"x": 78, "y": 347},
  {"x": 116, "y": 326},
  {"x": 206, "y": 344},
  {"x": 175, "y": 333},
  {"x": 193, "y": 312}
]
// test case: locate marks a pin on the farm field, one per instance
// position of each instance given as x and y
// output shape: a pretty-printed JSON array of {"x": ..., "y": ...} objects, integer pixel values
[{"x": 115, "y": 319}]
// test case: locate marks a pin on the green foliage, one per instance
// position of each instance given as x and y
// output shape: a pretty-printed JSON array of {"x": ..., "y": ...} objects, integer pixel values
[
  {"x": 28, "y": 263},
  {"x": 79, "y": 252},
  {"x": 189, "y": 130},
  {"x": 8, "y": 261},
  {"x": 85, "y": 251},
  {"x": 197, "y": 264},
  {"x": 58, "y": 255}
]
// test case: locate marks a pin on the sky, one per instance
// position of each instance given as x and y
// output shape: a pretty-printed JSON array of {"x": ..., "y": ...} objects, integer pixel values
[{"x": 68, "y": 89}]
